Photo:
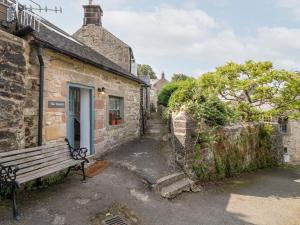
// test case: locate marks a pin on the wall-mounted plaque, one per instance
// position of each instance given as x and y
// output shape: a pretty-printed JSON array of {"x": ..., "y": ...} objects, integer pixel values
[{"x": 56, "y": 104}]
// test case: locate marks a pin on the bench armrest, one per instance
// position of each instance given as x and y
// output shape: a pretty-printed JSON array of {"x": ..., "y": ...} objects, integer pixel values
[
  {"x": 8, "y": 174},
  {"x": 78, "y": 153}
]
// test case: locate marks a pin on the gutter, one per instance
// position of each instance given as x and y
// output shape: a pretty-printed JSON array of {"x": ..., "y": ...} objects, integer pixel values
[{"x": 41, "y": 95}]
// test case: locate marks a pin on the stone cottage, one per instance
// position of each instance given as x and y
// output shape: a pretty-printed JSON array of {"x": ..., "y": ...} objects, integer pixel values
[
  {"x": 53, "y": 86},
  {"x": 94, "y": 35},
  {"x": 156, "y": 87},
  {"x": 291, "y": 140}
]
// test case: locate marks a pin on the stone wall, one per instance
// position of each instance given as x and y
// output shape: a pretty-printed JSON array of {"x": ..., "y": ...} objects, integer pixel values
[
  {"x": 102, "y": 41},
  {"x": 61, "y": 70},
  {"x": 226, "y": 151},
  {"x": 291, "y": 141},
  {"x": 13, "y": 72}
]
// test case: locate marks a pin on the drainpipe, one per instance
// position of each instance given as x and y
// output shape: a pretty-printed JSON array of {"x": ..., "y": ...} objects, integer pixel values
[{"x": 41, "y": 95}]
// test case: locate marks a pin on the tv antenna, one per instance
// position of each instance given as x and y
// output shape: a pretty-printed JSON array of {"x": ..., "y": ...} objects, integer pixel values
[
  {"x": 26, "y": 15},
  {"x": 38, "y": 7}
]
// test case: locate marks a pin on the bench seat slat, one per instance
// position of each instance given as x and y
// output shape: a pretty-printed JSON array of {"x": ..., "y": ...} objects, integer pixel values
[
  {"x": 20, "y": 159},
  {"x": 21, "y": 151},
  {"x": 42, "y": 165},
  {"x": 46, "y": 171}
]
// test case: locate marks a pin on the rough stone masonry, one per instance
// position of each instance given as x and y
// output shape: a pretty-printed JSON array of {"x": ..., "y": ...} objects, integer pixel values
[
  {"x": 13, "y": 73},
  {"x": 236, "y": 148}
]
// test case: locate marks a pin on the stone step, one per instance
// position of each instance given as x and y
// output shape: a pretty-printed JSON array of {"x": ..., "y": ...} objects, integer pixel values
[
  {"x": 155, "y": 122},
  {"x": 168, "y": 180},
  {"x": 154, "y": 128},
  {"x": 153, "y": 131},
  {"x": 155, "y": 125},
  {"x": 176, "y": 188}
]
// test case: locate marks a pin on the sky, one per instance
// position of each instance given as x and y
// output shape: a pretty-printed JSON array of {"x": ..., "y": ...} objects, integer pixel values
[{"x": 195, "y": 36}]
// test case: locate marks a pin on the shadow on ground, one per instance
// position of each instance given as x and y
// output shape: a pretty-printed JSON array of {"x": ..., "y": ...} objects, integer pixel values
[{"x": 266, "y": 197}]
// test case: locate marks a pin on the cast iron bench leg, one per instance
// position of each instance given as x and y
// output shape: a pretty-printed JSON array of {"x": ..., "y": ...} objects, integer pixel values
[
  {"x": 14, "y": 201},
  {"x": 69, "y": 170},
  {"x": 83, "y": 171}
]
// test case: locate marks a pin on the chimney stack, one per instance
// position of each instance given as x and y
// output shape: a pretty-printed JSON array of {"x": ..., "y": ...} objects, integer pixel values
[{"x": 92, "y": 14}]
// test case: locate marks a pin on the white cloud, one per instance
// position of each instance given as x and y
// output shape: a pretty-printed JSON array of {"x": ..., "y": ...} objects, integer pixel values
[
  {"x": 197, "y": 40},
  {"x": 292, "y": 5}
]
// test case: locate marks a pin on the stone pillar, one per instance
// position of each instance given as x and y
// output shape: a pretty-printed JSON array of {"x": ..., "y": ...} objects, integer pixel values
[
  {"x": 183, "y": 126},
  {"x": 277, "y": 147}
]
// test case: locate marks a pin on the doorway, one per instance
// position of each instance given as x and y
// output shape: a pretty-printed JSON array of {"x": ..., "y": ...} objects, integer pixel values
[{"x": 80, "y": 117}]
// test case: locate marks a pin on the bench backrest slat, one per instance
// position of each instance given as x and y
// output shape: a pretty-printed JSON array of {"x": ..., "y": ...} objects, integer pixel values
[
  {"x": 27, "y": 150},
  {"x": 32, "y": 159},
  {"x": 33, "y": 155},
  {"x": 31, "y": 162},
  {"x": 43, "y": 165}
]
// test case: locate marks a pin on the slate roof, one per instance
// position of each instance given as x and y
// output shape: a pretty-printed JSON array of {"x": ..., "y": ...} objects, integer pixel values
[
  {"x": 146, "y": 79},
  {"x": 56, "y": 39}
]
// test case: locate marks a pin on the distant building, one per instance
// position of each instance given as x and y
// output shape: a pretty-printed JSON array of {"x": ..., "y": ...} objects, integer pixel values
[
  {"x": 94, "y": 35},
  {"x": 291, "y": 140},
  {"x": 156, "y": 87}
]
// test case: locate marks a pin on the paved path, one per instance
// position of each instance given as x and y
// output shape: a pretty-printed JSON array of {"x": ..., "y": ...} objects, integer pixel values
[
  {"x": 270, "y": 197},
  {"x": 150, "y": 157}
]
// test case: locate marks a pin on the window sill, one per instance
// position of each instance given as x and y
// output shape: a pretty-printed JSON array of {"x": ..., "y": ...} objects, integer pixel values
[{"x": 114, "y": 127}]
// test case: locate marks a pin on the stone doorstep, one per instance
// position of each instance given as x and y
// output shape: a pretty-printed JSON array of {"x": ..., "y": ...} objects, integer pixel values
[
  {"x": 176, "y": 188},
  {"x": 168, "y": 180}
]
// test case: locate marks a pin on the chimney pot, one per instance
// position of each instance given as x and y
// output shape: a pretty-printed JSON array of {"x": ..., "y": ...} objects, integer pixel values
[{"x": 92, "y": 14}]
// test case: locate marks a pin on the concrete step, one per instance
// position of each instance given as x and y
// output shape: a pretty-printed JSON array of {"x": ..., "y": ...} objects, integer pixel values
[
  {"x": 168, "y": 180},
  {"x": 171, "y": 191}
]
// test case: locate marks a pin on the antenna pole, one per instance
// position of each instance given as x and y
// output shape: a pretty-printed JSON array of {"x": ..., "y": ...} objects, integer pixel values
[{"x": 17, "y": 9}]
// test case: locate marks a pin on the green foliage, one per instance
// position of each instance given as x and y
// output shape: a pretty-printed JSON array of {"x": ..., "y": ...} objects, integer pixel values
[
  {"x": 201, "y": 104},
  {"x": 165, "y": 115},
  {"x": 166, "y": 92},
  {"x": 234, "y": 93},
  {"x": 201, "y": 169},
  {"x": 143, "y": 69},
  {"x": 255, "y": 89},
  {"x": 177, "y": 77}
]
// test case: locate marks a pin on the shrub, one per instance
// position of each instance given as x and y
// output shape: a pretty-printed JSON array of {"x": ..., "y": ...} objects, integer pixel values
[
  {"x": 166, "y": 92},
  {"x": 202, "y": 105}
]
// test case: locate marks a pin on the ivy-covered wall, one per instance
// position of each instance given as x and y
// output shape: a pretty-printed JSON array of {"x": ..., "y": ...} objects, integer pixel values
[{"x": 208, "y": 154}]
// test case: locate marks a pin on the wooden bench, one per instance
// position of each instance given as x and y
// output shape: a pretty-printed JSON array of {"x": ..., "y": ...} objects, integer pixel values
[{"x": 21, "y": 166}]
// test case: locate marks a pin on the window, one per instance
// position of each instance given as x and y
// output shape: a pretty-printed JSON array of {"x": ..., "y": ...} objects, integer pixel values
[
  {"x": 285, "y": 150},
  {"x": 283, "y": 125},
  {"x": 116, "y": 110}
]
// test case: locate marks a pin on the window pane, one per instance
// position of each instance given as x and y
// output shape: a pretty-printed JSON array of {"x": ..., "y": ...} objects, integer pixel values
[{"x": 115, "y": 110}]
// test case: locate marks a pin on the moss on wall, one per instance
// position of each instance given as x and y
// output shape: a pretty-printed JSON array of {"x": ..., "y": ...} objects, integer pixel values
[{"x": 233, "y": 150}]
